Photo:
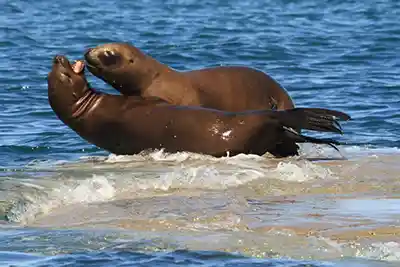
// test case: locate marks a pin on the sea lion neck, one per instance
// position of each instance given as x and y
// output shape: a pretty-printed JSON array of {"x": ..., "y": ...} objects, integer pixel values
[
  {"x": 70, "y": 106},
  {"x": 153, "y": 70},
  {"x": 85, "y": 104}
]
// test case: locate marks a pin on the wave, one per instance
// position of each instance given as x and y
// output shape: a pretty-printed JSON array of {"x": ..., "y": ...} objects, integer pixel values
[{"x": 112, "y": 177}]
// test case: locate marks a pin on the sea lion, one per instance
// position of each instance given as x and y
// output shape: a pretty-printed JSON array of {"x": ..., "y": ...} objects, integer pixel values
[
  {"x": 130, "y": 124},
  {"x": 230, "y": 88}
]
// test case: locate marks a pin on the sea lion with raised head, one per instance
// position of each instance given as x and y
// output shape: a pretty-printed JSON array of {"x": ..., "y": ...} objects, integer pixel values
[
  {"x": 131, "y": 124},
  {"x": 229, "y": 88}
]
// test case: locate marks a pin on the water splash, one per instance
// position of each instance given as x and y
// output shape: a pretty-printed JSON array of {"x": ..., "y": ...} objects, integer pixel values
[
  {"x": 386, "y": 251},
  {"x": 124, "y": 179},
  {"x": 43, "y": 201}
]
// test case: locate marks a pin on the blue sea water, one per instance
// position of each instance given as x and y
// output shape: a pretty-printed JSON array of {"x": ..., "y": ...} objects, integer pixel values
[{"x": 333, "y": 54}]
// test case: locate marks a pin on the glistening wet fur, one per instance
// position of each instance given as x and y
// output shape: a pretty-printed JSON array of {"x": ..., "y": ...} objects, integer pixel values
[{"x": 131, "y": 124}]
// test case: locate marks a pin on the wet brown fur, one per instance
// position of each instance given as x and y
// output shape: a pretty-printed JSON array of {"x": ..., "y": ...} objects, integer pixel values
[{"x": 131, "y": 124}]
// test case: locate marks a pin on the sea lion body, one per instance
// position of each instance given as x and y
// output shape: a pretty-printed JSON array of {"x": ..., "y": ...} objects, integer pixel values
[
  {"x": 131, "y": 124},
  {"x": 230, "y": 88}
]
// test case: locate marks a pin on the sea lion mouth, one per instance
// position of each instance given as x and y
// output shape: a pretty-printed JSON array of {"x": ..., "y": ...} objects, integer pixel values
[
  {"x": 77, "y": 67},
  {"x": 91, "y": 63},
  {"x": 91, "y": 59},
  {"x": 100, "y": 59},
  {"x": 92, "y": 67}
]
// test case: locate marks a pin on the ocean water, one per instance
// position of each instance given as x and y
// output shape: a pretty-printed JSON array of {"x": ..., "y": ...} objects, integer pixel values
[{"x": 63, "y": 202}]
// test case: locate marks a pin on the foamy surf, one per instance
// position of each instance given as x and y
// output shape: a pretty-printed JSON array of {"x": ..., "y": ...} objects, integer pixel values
[
  {"x": 40, "y": 200},
  {"x": 387, "y": 251},
  {"x": 117, "y": 177},
  {"x": 43, "y": 200},
  {"x": 256, "y": 205}
]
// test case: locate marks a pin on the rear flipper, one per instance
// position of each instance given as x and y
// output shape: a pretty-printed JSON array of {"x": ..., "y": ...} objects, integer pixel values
[
  {"x": 323, "y": 120},
  {"x": 289, "y": 147},
  {"x": 316, "y": 119},
  {"x": 299, "y": 138}
]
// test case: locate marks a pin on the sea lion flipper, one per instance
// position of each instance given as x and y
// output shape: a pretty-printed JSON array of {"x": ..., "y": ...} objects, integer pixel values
[
  {"x": 291, "y": 137},
  {"x": 300, "y": 138},
  {"x": 328, "y": 112},
  {"x": 322, "y": 120}
]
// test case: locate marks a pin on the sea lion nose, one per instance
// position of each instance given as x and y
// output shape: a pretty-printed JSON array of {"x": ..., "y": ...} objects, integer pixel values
[
  {"x": 92, "y": 57},
  {"x": 88, "y": 51},
  {"x": 59, "y": 59}
]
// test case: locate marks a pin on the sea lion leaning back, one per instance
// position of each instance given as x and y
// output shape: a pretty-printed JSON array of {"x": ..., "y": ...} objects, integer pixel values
[
  {"x": 230, "y": 88},
  {"x": 130, "y": 124}
]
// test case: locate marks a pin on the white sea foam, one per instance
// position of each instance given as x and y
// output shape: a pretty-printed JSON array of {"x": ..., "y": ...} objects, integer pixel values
[
  {"x": 323, "y": 247},
  {"x": 71, "y": 192},
  {"x": 387, "y": 251},
  {"x": 306, "y": 151},
  {"x": 159, "y": 155},
  {"x": 182, "y": 170},
  {"x": 302, "y": 171},
  {"x": 204, "y": 173}
]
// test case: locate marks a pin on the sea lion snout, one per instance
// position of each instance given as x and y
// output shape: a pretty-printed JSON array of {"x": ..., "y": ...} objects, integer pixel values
[
  {"x": 67, "y": 85},
  {"x": 88, "y": 51},
  {"x": 58, "y": 59},
  {"x": 68, "y": 75},
  {"x": 63, "y": 66},
  {"x": 103, "y": 57},
  {"x": 91, "y": 57},
  {"x": 61, "y": 70}
]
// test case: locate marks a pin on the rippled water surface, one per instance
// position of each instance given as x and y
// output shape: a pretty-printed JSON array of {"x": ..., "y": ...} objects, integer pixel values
[{"x": 63, "y": 202}]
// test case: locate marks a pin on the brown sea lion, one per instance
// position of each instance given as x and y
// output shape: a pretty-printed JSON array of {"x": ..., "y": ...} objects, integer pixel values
[
  {"x": 131, "y": 124},
  {"x": 230, "y": 88}
]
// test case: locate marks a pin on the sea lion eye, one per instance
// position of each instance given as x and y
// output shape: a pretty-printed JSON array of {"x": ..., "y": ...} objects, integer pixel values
[{"x": 109, "y": 58}]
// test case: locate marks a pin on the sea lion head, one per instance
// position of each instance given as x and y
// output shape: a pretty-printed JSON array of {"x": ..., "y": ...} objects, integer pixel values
[
  {"x": 66, "y": 85},
  {"x": 123, "y": 66}
]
